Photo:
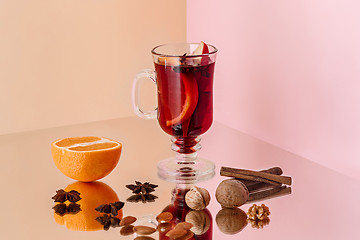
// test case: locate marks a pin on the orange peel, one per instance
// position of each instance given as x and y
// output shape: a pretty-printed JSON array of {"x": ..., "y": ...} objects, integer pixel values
[
  {"x": 92, "y": 195},
  {"x": 86, "y": 159},
  {"x": 191, "y": 100}
]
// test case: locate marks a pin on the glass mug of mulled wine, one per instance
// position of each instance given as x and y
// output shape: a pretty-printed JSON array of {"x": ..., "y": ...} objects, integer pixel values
[{"x": 184, "y": 78}]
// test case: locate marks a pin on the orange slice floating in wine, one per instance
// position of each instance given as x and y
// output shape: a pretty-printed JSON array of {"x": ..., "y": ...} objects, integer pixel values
[
  {"x": 191, "y": 100},
  {"x": 190, "y": 89}
]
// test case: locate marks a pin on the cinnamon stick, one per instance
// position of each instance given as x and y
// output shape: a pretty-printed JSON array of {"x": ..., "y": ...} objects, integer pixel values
[
  {"x": 253, "y": 185},
  {"x": 255, "y": 176}
]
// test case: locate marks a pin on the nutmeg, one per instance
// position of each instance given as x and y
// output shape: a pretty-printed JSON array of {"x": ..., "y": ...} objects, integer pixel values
[
  {"x": 231, "y": 220},
  {"x": 200, "y": 220},
  {"x": 231, "y": 193},
  {"x": 197, "y": 198}
]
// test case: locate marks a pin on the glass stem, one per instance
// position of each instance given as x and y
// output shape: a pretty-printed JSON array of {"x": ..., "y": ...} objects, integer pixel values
[{"x": 186, "y": 148}]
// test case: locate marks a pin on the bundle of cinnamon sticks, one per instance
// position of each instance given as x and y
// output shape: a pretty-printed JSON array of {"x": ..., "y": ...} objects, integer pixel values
[{"x": 261, "y": 184}]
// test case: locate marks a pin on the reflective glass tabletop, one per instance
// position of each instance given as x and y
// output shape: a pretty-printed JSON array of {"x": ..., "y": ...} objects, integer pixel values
[{"x": 323, "y": 204}]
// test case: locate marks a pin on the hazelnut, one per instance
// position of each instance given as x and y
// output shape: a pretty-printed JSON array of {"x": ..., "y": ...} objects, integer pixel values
[
  {"x": 231, "y": 193},
  {"x": 200, "y": 220},
  {"x": 231, "y": 220},
  {"x": 197, "y": 198}
]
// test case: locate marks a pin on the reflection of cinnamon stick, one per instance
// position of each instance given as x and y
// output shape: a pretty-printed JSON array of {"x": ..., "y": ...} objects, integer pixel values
[
  {"x": 269, "y": 193},
  {"x": 255, "y": 176}
]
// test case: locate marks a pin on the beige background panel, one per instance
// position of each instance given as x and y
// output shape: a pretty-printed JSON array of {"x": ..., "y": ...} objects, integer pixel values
[{"x": 67, "y": 62}]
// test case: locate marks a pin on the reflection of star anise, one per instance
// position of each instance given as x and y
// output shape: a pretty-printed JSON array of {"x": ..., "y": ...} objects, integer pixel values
[
  {"x": 112, "y": 208},
  {"x": 142, "y": 187},
  {"x": 62, "y": 209},
  {"x": 61, "y": 196},
  {"x": 108, "y": 221},
  {"x": 148, "y": 197}
]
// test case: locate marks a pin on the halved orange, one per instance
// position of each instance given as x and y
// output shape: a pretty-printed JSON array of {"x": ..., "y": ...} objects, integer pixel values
[
  {"x": 86, "y": 159},
  {"x": 92, "y": 195}
]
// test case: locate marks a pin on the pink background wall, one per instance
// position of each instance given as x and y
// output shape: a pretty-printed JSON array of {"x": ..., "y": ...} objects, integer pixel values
[{"x": 288, "y": 73}]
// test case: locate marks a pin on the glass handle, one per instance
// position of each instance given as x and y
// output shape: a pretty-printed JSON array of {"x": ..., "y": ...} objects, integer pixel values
[{"x": 150, "y": 74}]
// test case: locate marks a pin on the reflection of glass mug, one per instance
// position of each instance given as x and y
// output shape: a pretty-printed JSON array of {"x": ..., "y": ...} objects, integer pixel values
[
  {"x": 201, "y": 219},
  {"x": 185, "y": 103}
]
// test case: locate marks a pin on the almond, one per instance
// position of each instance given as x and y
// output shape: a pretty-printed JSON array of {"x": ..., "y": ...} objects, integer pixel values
[
  {"x": 164, "y": 217},
  {"x": 163, "y": 227},
  {"x": 127, "y": 230},
  {"x": 184, "y": 225},
  {"x": 144, "y": 230},
  {"x": 127, "y": 220},
  {"x": 176, "y": 233},
  {"x": 143, "y": 238},
  {"x": 187, "y": 236}
]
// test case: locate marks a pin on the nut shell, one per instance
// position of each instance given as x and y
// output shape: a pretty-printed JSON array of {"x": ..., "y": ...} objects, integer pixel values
[
  {"x": 200, "y": 220},
  {"x": 197, "y": 198},
  {"x": 231, "y": 193}
]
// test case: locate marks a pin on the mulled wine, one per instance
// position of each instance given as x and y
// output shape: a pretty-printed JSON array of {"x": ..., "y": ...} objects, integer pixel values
[{"x": 185, "y": 98}]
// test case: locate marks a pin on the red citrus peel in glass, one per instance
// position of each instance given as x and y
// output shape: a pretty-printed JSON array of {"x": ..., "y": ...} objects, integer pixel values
[{"x": 191, "y": 99}]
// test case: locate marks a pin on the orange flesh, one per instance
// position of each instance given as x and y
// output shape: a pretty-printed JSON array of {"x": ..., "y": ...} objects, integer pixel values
[
  {"x": 97, "y": 146},
  {"x": 76, "y": 140}
]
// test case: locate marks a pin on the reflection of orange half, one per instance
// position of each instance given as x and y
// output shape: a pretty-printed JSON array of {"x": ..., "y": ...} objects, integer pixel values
[
  {"x": 92, "y": 195},
  {"x": 191, "y": 100}
]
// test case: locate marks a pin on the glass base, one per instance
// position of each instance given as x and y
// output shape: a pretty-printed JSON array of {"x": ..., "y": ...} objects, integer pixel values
[{"x": 185, "y": 170}]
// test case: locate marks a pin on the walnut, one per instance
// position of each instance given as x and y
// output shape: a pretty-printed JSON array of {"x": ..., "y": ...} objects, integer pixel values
[
  {"x": 258, "y": 216},
  {"x": 200, "y": 220},
  {"x": 197, "y": 198},
  {"x": 231, "y": 193},
  {"x": 231, "y": 220}
]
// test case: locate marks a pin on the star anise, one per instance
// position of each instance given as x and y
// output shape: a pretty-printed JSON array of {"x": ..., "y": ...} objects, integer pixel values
[
  {"x": 148, "y": 197},
  {"x": 112, "y": 208},
  {"x": 61, "y": 196},
  {"x": 108, "y": 221},
  {"x": 144, "y": 188},
  {"x": 62, "y": 209}
]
